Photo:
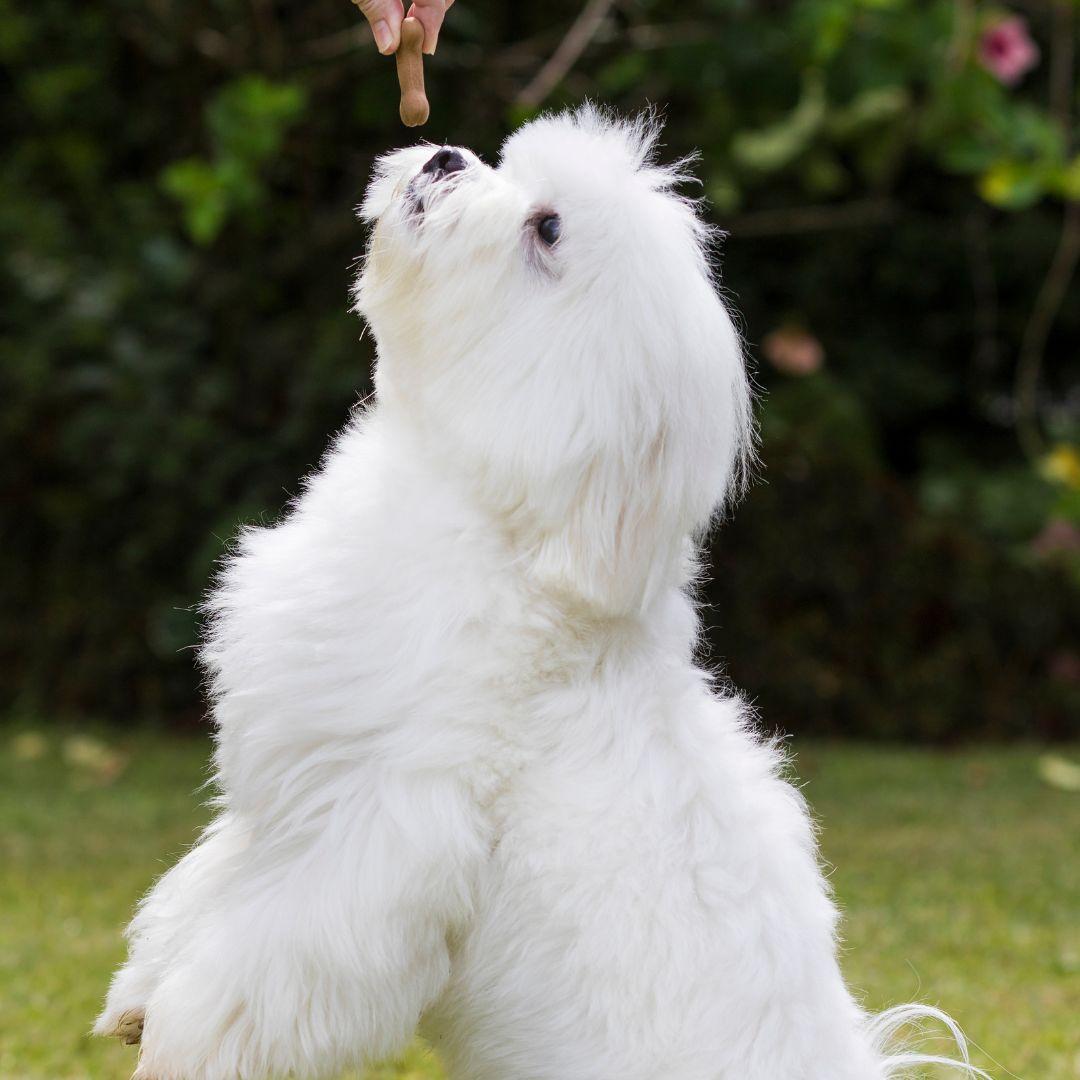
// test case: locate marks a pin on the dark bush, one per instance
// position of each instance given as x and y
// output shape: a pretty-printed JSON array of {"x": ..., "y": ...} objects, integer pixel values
[
  {"x": 841, "y": 607},
  {"x": 176, "y": 213}
]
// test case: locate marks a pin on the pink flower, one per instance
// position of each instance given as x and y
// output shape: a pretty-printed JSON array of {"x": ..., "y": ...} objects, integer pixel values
[
  {"x": 793, "y": 351},
  {"x": 1057, "y": 537},
  {"x": 1064, "y": 666},
  {"x": 1007, "y": 51}
]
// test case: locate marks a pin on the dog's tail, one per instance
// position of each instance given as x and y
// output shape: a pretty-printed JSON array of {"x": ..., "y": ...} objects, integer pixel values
[{"x": 897, "y": 1032}]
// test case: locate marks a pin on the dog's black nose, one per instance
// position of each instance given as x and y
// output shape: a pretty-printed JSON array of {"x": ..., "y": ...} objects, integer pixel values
[{"x": 446, "y": 161}]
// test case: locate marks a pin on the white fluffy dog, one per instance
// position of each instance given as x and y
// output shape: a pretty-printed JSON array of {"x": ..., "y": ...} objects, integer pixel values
[{"x": 472, "y": 781}]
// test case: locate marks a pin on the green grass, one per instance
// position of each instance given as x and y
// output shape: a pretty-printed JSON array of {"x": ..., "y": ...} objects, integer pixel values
[{"x": 960, "y": 875}]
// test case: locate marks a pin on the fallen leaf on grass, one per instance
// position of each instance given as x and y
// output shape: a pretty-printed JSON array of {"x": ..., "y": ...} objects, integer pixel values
[
  {"x": 29, "y": 746},
  {"x": 1059, "y": 772},
  {"x": 94, "y": 758}
]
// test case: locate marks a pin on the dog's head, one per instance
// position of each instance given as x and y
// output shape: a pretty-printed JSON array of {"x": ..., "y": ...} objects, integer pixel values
[{"x": 553, "y": 324}]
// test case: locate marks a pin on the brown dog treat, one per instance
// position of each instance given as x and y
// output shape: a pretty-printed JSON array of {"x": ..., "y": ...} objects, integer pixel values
[{"x": 410, "y": 72}]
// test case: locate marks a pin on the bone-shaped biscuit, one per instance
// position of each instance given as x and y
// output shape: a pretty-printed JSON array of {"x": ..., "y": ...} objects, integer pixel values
[{"x": 414, "y": 107}]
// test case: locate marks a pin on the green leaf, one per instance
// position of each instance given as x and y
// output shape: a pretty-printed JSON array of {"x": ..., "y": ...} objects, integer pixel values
[
  {"x": 249, "y": 117},
  {"x": 50, "y": 91},
  {"x": 1067, "y": 504},
  {"x": 1030, "y": 132},
  {"x": 868, "y": 109},
  {"x": 826, "y": 27},
  {"x": 966, "y": 153},
  {"x": 516, "y": 114},
  {"x": 1066, "y": 180},
  {"x": 240, "y": 181},
  {"x": 822, "y": 174},
  {"x": 770, "y": 149},
  {"x": 724, "y": 193},
  {"x": 1012, "y": 185},
  {"x": 199, "y": 189},
  {"x": 622, "y": 73},
  {"x": 16, "y": 32},
  {"x": 247, "y": 121}
]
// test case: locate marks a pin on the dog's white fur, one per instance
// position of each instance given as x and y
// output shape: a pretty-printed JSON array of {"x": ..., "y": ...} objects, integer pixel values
[{"x": 472, "y": 781}]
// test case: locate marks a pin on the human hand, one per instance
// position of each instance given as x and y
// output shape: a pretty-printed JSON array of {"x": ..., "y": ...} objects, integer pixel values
[{"x": 385, "y": 18}]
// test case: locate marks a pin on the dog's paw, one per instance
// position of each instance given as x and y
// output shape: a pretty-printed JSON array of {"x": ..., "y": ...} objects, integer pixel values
[{"x": 128, "y": 1027}]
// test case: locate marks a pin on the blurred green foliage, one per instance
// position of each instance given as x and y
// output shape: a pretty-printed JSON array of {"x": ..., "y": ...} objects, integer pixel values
[
  {"x": 246, "y": 122},
  {"x": 176, "y": 217}
]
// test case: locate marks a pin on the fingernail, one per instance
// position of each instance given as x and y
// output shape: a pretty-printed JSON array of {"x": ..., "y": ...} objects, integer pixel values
[
  {"x": 384, "y": 39},
  {"x": 431, "y": 51}
]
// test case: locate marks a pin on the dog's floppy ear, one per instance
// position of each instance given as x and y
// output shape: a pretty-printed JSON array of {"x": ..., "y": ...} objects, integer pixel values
[
  {"x": 661, "y": 475},
  {"x": 617, "y": 541}
]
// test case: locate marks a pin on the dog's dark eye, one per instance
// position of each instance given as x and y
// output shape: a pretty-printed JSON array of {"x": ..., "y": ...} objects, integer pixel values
[{"x": 548, "y": 228}]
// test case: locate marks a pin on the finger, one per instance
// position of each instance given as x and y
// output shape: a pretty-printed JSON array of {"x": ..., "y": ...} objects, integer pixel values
[
  {"x": 385, "y": 18},
  {"x": 430, "y": 13}
]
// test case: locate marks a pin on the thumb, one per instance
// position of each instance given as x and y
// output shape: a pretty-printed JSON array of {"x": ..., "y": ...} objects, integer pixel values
[{"x": 385, "y": 18}]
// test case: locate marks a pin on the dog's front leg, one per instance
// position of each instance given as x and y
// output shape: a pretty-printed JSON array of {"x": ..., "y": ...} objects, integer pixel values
[
  {"x": 164, "y": 922},
  {"x": 328, "y": 940}
]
